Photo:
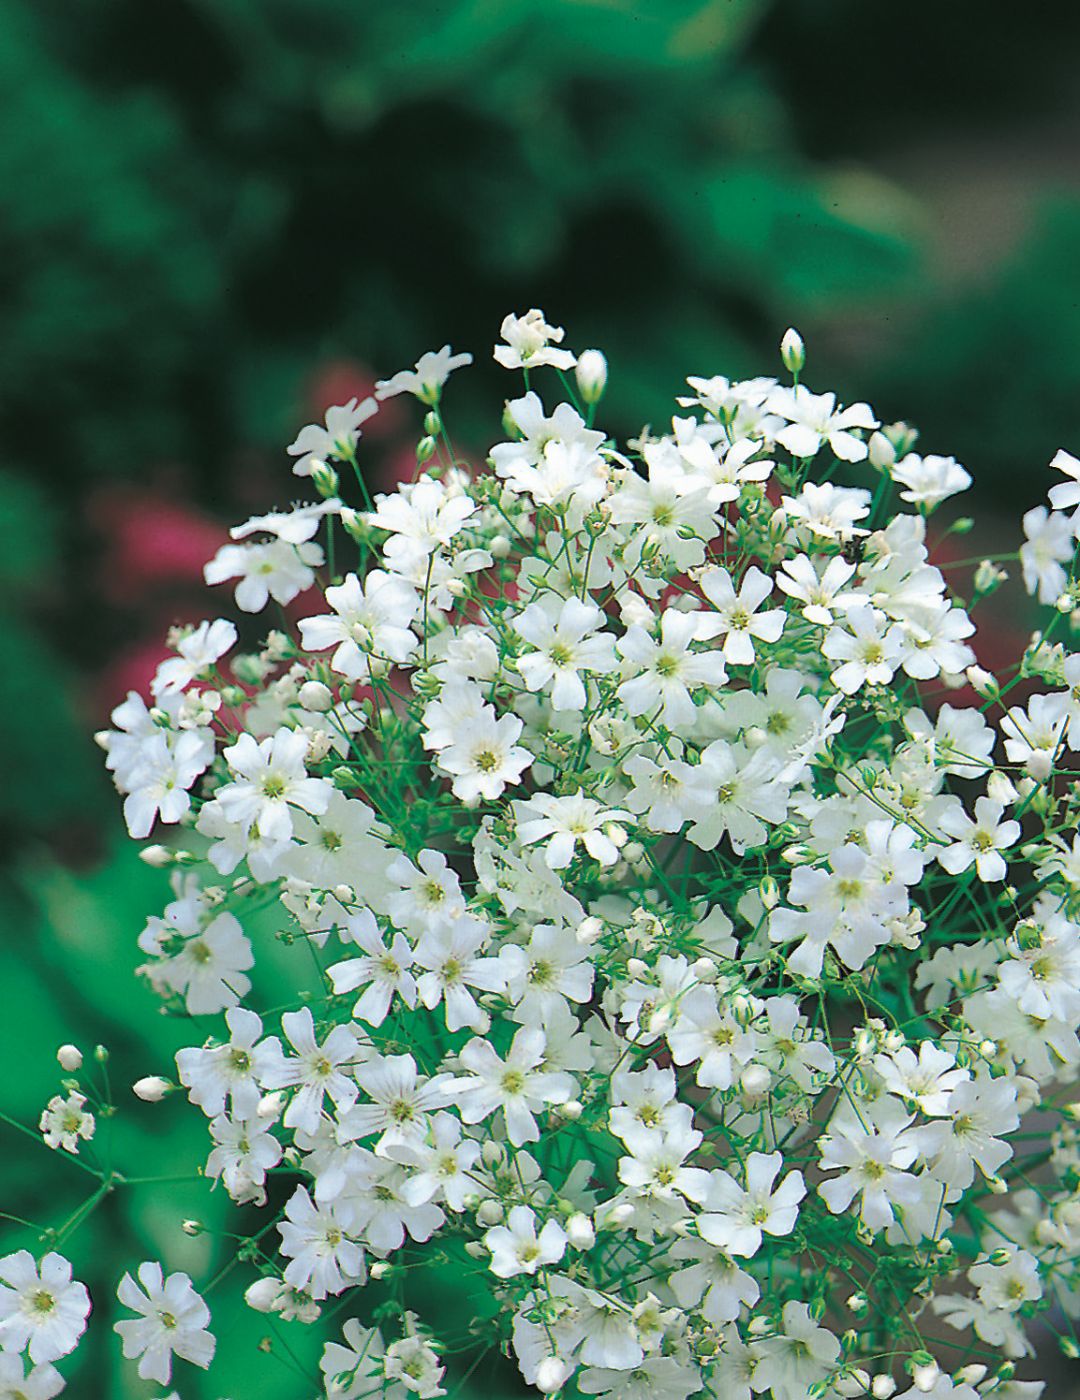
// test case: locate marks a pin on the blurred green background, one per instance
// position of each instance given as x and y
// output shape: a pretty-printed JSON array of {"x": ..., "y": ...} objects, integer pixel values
[{"x": 218, "y": 216}]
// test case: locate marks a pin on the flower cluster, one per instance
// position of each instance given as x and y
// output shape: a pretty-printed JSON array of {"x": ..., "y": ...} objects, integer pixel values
[{"x": 685, "y": 927}]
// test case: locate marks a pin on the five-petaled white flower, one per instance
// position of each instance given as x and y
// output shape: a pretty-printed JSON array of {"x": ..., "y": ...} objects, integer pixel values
[
  {"x": 337, "y": 438},
  {"x": 173, "y": 1321},
  {"x": 735, "y": 1217},
  {"x": 43, "y": 1310}
]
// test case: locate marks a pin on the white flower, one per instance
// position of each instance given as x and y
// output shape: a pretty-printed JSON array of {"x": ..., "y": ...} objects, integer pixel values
[
  {"x": 873, "y": 1153},
  {"x": 230, "y": 1071},
  {"x": 413, "y": 1363},
  {"x": 516, "y": 1084},
  {"x": 982, "y": 1111},
  {"x": 552, "y": 966},
  {"x": 383, "y": 972},
  {"x": 670, "y": 509},
  {"x": 796, "y": 1359},
  {"x": 398, "y": 1101},
  {"x": 484, "y": 758},
  {"x": 709, "y": 1035},
  {"x": 1049, "y": 545},
  {"x": 159, "y": 780},
  {"x": 275, "y": 570},
  {"x": 661, "y": 674},
  {"x": 173, "y": 1321},
  {"x": 823, "y": 595},
  {"x": 43, "y": 1311},
  {"x": 563, "y": 633},
  {"x": 529, "y": 341},
  {"x": 736, "y": 618},
  {"x": 369, "y": 627},
  {"x": 977, "y": 841},
  {"x": 65, "y": 1121},
  {"x": 420, "y": 518},
  {"x": 742, "y": 792},
  {"x": 315, "y": 1070},
  {"x": 1009, "y": 1285},
  {"x": 829, "y": 512},
  {"x": 449, "y": 953},
  {"x": 712, "y": 1280},
  {"x": 323, "y": 1258},
  {"x": 270, "y": 779},
  {"x": 354, "y": 1370},
  {"x": 209, "y": 970},
  {"x": 516, "y": 1248},
  {"x": 426, "y": 379},
  {"x": 441, "y": 1166},
  {"x": 1065, "y": 494},
  {"x": 428, "y": 896},
  {"x": 241, "y": 1157},
  {"x": 868, "y": 648},
  {"x": 1033, "y": 736},
  {"x": 943, "y": 1387},
  {"x": 197, "y": 653},
  {"x": 813, "y": 419},
  {"x": 338, "y": 438},
  {"x": 563, "y": 822},
  {"x": 295, "y": 526},
  {"x": 655, "y": 1166},
  {"x": 925, "y": 1080},
  {"x": 734, "y": 1218},
  {"x": 39, "y": 1383},
  {"x": 929, "y": 480}
]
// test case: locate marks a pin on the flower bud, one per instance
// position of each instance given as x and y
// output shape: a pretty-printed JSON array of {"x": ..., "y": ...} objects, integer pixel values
[
  {"x": 580, "y": 1231},
  {"x": 263, "y": 1294},
  {"x": 489, "y": 1213},
  {"x": 792, "y": 351},
  {"x": 500, "y": 546},
  {"x": 755, "y": 1081},
  {"x": 324, "y": 478},
  {"x": 493, "y": 1154},
  {"x": 316, "y": 697},
  {"x": 882, "y": 1386},
  {"x": 705, "y": 970},
  {"x": 380, "y": 1268},
  {"x": 636, "y": 968},
  {"x": 571, "y": 1110},
  {"x": 270, "y": 1105},
  {"x": 588, "y": 931},
  {"x": 158, "y": 857},
  {"x": 615, "y": 1217},
  {"x": 615, "y": 834},
  {"x": 925, "y": 1375},
  {"x": 881, "y": 451},
  {"x": 353, "y": 524},
  {"x": 69, "y": 1057},
  {"x": 475, "y": 1250},
  {"x": 551, "y": 1374},
  {"x": 591, "y": 373},
  {"x": 192, "y": 1227},
  {"x": 971, "y": 1375},
  {"x": 152, "y": 1089},
  {"x": 426, "y": 449}
]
